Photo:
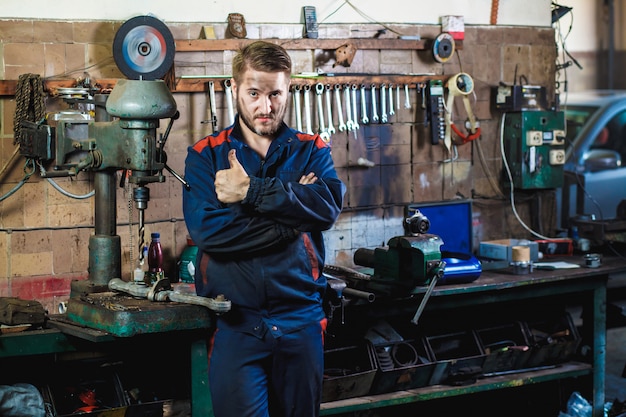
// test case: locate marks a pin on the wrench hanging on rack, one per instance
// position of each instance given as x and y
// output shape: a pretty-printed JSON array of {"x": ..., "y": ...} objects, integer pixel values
[
  {"x": 212, "y": 108},
  {"x": 398, "y": 96},
  {"x": 383, "y": 103},
  {"x": 329, "y": 110},
  {"x": 297, "y": 107},
  {"x": 342, "y": 124},
  {"x": 319, "y": 90},
  {"x": 228, "y": 93},
  {"x": 375, "y": 117},
  {"x": 391, "y": 110},
  {"x": 364, "y": 119},
  {"x": 355, "y": 112},
  {"x": 407, "y": 98},
  {"x": 346, "y": 99},
  {"x": 307, "y": 109}
]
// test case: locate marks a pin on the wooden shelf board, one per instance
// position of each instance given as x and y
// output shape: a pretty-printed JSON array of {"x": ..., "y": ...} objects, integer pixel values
[{"x": 199, "y": 45}]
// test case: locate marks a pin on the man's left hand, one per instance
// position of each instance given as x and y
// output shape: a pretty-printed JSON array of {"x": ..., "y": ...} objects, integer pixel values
[{"x": 309, "y": 178}]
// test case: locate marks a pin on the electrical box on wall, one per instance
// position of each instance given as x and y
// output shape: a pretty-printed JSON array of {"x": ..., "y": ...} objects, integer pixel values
[{"x": 534, "y": 148}]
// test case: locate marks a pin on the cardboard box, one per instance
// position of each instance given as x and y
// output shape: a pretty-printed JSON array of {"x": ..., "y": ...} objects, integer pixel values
[
  {"x": 454, "y": 25},
  {"x": 503, "y": 249}
]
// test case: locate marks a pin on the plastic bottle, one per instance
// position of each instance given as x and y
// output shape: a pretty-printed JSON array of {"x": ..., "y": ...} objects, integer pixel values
[
  {"x": 186, "y": 266},
  {"x": 139, "y": 274},
  {"x": 155, "y": 258}
]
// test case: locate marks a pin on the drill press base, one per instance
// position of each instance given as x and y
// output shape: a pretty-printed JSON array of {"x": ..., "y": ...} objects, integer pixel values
[{"x": 125, "y": 316}]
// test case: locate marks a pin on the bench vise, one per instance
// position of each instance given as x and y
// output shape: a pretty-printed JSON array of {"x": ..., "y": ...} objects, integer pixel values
[{"x": 407, "y": 262}]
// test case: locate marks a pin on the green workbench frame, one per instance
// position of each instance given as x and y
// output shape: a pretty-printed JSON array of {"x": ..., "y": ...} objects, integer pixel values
[{"x": 588, "y": 284}]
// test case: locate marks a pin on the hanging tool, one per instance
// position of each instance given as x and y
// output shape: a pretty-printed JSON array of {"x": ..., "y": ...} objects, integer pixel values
[
  {"x": 407, "y": 98},
  {"x": 329, "y": 110},
  {"x": 461, "y": 85},
  {"x": 355, "y": 115},
  {"x": 364, "y": 119},
  {"x": 383, "y": 103},
  {"x": 375, "y": 117},
  {"x": 212, "y": 108},
  {"x": 391, "y": 110},
  {"x": 346, "y": 96},
  {"x": 319, "y": 90},
  {"x": 433, "y": 103},
  {"x": 228, "y": 93},
  {"x": 298, "y": 107},
  {"x": 398, "y": 96},
  {"x": 342, "y": 125},
  {"x": 307, "y": 109}
]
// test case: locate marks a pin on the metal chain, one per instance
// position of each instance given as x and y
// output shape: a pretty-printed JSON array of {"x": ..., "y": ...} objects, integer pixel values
[{"x": 29, "y": 103}]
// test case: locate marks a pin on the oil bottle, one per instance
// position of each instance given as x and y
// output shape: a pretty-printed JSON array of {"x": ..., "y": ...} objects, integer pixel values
[{"x": 155, "y": 258}]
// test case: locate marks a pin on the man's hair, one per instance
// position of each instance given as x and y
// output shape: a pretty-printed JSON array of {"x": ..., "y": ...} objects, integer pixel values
[{"x": 261, "y": 56}]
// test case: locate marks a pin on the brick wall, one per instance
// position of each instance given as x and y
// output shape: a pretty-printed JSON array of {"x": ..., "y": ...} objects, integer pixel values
[{"x": 44, "y": 234}]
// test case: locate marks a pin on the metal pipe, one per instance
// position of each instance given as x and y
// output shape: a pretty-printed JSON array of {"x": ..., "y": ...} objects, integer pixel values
[{"x": 359, "y": 294}]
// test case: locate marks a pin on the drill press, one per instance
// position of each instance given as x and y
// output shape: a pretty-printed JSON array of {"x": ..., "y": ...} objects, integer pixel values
[{"x": 124, "y": 137}]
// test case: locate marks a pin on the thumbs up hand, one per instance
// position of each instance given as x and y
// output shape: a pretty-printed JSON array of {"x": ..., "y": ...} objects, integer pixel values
[{"x": 231, "y": 185}]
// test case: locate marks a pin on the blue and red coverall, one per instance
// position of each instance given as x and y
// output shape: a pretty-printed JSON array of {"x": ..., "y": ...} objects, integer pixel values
[{"x": 266, "y": 255}]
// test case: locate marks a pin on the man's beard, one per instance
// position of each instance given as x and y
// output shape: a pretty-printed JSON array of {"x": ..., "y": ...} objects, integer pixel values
[{"x": 265, "y": 130}]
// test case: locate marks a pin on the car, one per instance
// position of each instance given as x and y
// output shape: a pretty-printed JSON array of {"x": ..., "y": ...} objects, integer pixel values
[{"x": 594, "y": 185}]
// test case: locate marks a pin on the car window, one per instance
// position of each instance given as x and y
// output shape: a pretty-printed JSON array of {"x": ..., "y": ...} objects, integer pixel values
[
  {"x": 613, "y": 136},
  {"x": 576, "y": 118}
]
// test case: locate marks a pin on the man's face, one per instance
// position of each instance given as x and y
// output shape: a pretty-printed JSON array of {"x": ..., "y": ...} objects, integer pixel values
[{"x": 262, "y": 100}]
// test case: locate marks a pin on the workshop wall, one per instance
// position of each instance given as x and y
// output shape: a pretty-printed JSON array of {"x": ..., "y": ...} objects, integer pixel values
[{"x": 44, "y": 234}]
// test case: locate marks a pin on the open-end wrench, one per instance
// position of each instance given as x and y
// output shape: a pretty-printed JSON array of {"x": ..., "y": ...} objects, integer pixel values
[
  {"x": 398, "y": 96},
  {"x": 383, "y": 103},
  {"x": 391, "y": 110},
  {"x": 375, "y": 117},
  {"x": 213, "y": 105},
  {"x": 307, "y": 109},
  {"x": 346, "y": 101},
  {"x": 342, "y": 124},
  {"x": 298, "y": 107},
  {"x": 329, "y": 110},
  {"x": 355, "y": 112},
  {"x": 364, "y": 119},
  {"x": 228, "y": 93},
  {"x": 319, "y": 89},
  {"x": 407, "y": 99}
]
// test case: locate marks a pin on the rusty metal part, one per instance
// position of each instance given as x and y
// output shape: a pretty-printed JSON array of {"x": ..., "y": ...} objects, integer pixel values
[{"x": 162, "y": 291}]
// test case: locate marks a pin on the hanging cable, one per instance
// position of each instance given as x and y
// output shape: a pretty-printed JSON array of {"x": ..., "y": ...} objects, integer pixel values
[{"x": 29, "y": 169}]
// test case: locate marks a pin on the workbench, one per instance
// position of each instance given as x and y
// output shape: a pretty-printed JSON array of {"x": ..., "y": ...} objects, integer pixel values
[{"x": 585, "y": 287}]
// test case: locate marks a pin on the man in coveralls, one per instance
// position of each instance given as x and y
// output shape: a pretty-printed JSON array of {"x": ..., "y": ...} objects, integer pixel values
[{"x": 261, "y": 193}]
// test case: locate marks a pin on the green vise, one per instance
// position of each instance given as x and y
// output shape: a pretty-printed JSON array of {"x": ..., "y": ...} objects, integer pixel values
[{"x": 407, "y": 262}]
